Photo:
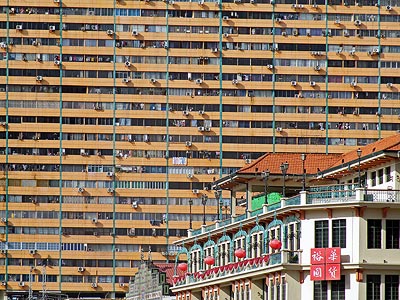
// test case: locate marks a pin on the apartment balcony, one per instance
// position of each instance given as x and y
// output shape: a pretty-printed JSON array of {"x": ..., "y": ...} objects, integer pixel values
[{"x": 315, "y": 196}]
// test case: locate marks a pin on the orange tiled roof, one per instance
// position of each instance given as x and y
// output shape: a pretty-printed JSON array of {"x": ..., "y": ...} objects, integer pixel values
[
  {"x": 169, "y": 270},
  {"x": 391, "y": 143},
  {"x": 272, "y": 162},
  {"x": 317, "y": 162}
]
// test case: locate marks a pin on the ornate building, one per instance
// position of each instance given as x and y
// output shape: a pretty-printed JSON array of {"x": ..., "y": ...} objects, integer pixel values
[{"x": 330, "y": 241}]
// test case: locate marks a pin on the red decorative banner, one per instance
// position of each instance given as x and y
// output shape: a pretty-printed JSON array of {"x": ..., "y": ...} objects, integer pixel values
[
  {"x": 332, "y": 255},
  {"x": 317, "y": 256},
  {"x": 332, "y": 272},
  {"x": 317, "y": 272}
]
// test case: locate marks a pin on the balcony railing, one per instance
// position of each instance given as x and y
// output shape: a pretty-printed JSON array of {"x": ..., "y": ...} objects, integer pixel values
[
  {"x": 246, "y": 265},
  {"x": 316, "y": 195}
]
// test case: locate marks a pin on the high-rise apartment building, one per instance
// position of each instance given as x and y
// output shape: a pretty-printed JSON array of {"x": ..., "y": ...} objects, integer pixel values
[{"x": 117, "y": 115}]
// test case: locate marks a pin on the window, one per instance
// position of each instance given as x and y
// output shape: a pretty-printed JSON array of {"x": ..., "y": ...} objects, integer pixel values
[
  {"x": 388, "y": 174},
  {"x": 320, "y": 290},
  {"x": 338, "y": 289},
  {"x": 321, "y": 234},
  {"x": 374, "y": 234},
  {"x": 391, "y": 287},
  {"x": 392, "y": 234},
  {"x": 339, "y": 233},
  {"x": 373, "y": 287},
  {"x": 373, "y": 178},
  {"x": 380, "y": 176}
]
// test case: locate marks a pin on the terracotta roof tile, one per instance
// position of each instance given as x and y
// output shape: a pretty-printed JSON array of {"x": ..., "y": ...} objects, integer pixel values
[
  {"x": 391, "y": 143},
  {"x": 272, "y": 162},
  {"x": 314, "y": 161},
  {"x": 169, "y": 269}
]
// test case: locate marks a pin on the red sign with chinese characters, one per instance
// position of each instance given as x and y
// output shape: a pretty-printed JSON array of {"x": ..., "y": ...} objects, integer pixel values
[
  {"x": 325, "y": 263},
  {"x": 332, "y": 255},
  {"x": 317, "y": 272},
  {"x": 332, "y": 272},
  {"x": 317, "y": 256}
]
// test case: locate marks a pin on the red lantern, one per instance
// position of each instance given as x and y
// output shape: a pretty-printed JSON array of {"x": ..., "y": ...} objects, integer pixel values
[
  {"x": 275, "y": 244},
  {"x": 183, "y": 267},
  {"x": 240, "y": 253},
  {"x": 209, "y": 260}
]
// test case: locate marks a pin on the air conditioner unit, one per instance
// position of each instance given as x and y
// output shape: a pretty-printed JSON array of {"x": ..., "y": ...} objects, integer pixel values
[
  {"x": 3, "y": 251},
  {"x": 34, "y": 43},
  {"x": 355, "y": 112},
  {"x": 388, "y": 7},
  {"x": 188, "y": 144},
  {"x": 279, "y": 129},
  {"x": 165, "y": 45},
  {"x": 294, "y": 6},
  {"x": 201, "y": 112},
  {"x": 94, "y": 285},
  {"x": 56, "y": 1},
  {"x": 252, "y": 1},
  {"x": 110, "y": 190},
  {"x": 3, "y": 45},
  {"x": 357, "y": 22},
  {"x": 117, "y": 249},
  {"x": 21, "y": 283},
  {"x": 57, "y": 63},
  {"x": 207, "y": 129},
  {"x": 110, "y": 174},
  {"x": 81, "y": 269},
  {"x": 237, "y": 1},
  {"x": 190, "y": 175},
  {"x": 18, "y": 27},
  {"x": 110, "y": 32},
  {"x": 352, "y": 52},
  {"x": 153, "y": 80},
  {"x": 132, "y": 232},
  {"x": 199, "y": 81},
  {"x": 4, "y": 283},
  {"x": 337, "y": 22},
  {"x": 293, "y": 83},
  {"x": 3, "y": 124},
  {"x": 225, "y": 18},
  {"x": 317, "y": 68},
  {"x": 32, "y": 252},
  {"x": 315, "y": 6},
  {"x": 270, "y": 67},
  {"x": 195, "y": 191},
  {"x": 235, "y": 81},
  {"x": 213, "y": 50},
  {"x": 200, "y": 128},
  {"x": 95, "y": 233},
  {"x": 185, "y": 113},
  {"x": 284, "y": 33},
  {"x": 128, "y": 64},
  {"x": 135, "y": 204},
  {"x": 226, "y": 35},
  {"x": 122, "y": 284},
  {"x": 39, "y": 78},
  {"x": 278, "y": 20},
  {"x": 126, "y": 80},
  {"x": 376, "y": 51},
  {"x": 200, "y": 2},
  {"x": 312, "y": 83},
  {"x": 3, "y": 220},
  {"x": 81, "y": 190},
  {"x": 95, "y": 220},
  {"x": 247, "y": 161},
  {"x": 295, "y": 32},
  {"x": 135, "y": 33},
  {"x": 353, "y": 83},
  {"x": 346, "y": 33},
  {"x": 389, "y": 84}
]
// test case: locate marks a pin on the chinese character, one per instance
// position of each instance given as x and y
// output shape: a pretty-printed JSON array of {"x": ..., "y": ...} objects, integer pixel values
[
  {"x": 317, "y": 272},
  {"x": 333, "y": 255},
  {"x": 332, "y": 271},
  {"x": 317, "y": 256}
]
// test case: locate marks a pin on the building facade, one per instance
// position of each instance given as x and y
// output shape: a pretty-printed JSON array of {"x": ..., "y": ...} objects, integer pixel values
[
  {"x": 336, "y": 241},
  {"x": 125, "y": 144}
]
